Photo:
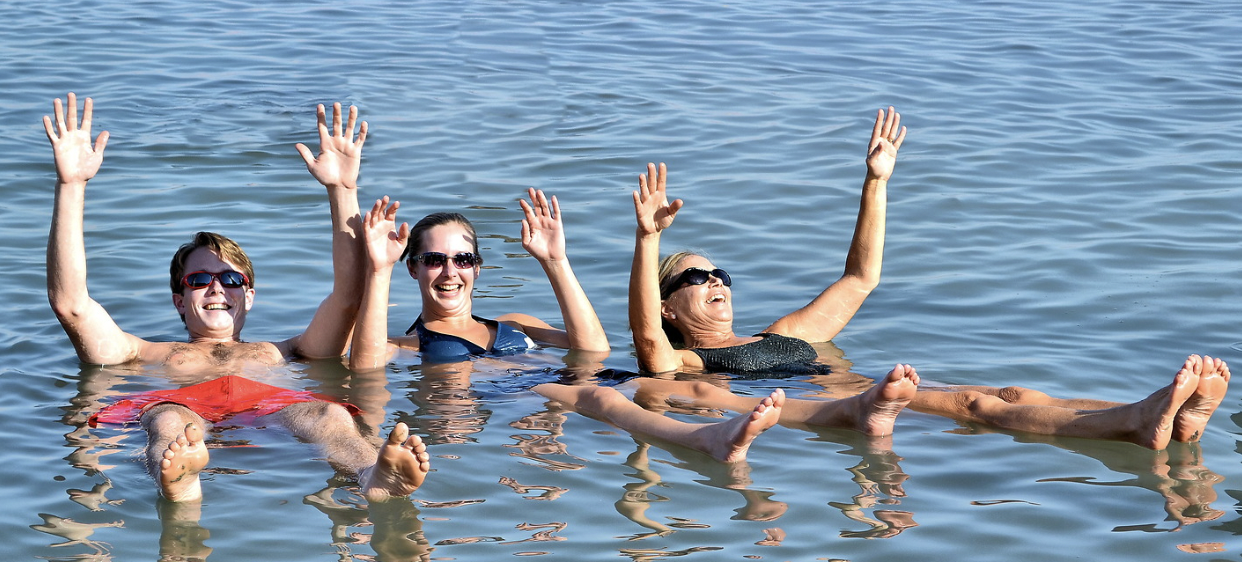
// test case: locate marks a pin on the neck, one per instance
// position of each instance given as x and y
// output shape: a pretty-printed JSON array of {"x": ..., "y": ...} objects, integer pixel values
[
  {"x": 213, "y": 339},
  {"x": 450, "y": 321},
  {"x": 717, "y": 338}
]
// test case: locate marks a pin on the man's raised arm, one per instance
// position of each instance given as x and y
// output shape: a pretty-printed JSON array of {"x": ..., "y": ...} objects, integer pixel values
[{"x": 94, "y": 334}]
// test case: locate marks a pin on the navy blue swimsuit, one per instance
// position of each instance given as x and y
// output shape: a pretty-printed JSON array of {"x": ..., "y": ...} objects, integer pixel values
[{"x": 441, "y": 347}]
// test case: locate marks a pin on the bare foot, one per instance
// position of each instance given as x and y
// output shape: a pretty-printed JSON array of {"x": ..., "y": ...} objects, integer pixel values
[
  {"x": 729, "y": 440},
  {"x": 873, "y": 412},
  {"x": 1164, "y": 405},
  {"x": 401, "y": 467},
  {"x": 184, "y": 458},
  {"x": 879, "y": 405},
  {"x": 1193, "y": 416}
]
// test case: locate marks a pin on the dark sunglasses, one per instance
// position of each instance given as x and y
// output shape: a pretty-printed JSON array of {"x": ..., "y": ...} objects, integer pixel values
[
  {"x": 696, "y": 276},
  {"x": 228, "y": 279},
  {"x": 463, "y": 260}
]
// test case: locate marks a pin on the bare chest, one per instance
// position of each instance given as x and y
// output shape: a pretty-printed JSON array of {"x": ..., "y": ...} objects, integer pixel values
[{"x": 205, "y": 355}]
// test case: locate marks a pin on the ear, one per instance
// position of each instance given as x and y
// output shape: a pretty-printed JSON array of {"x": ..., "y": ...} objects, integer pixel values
[
  {"x": 249, "y": 298},
  {"x": 666, "y": 312},
  {"x": 179, "y": 303},
  {"x": 412, "y": 267}
]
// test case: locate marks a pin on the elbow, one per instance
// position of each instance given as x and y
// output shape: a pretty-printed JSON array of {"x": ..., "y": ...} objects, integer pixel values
[{"x": 865, "y": 281}]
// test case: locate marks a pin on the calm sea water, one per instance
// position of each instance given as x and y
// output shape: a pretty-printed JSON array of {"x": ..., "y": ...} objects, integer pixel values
[{"x": 1063, "y": 216}]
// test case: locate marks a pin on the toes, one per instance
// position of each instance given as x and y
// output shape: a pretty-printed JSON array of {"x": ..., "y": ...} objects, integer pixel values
[{"x": 399, "y": 434}]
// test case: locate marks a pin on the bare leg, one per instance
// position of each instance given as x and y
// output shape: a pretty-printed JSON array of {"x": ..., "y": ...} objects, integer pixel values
[
  {"x": 397, "y": 469},
  {"x": 1193, "y": 417},
  {"x": 175, "y": 452},
  {"x": 726, "y": 441},
  {"x": 873, "y": 412},
  {"x": 1027, "y": 397},
  {"x": 1148, "y": 422}
]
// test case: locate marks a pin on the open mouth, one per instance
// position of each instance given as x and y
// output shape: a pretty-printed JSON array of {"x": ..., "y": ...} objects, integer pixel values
[
  {"x": 216, "y": 306},
  {"x": 718, "y": 297},
  {"x": 448, "y": 288}
]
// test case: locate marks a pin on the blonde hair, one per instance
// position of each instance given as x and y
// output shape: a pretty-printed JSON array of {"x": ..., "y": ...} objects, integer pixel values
[
  {"x": 665, "y": 273},
  {"x": 223, "y": 246}
]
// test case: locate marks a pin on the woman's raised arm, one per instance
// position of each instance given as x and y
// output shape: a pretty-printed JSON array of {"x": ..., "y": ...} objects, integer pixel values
[{"x": 828, "y": 313}]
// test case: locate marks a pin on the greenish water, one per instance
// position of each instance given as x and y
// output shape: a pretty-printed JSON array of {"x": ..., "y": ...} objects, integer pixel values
[{"x": 1063, "y": 216}]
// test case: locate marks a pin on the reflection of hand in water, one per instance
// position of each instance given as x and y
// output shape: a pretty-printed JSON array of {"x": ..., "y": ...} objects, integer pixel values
[
  {"x": 94, "y": 498},
  {"x": 72, "y": 531},
  {"x": 549, "y": 492}
]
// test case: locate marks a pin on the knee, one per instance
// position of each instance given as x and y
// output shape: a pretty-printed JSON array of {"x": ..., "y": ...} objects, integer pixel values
[
  {"x": 306, "y": 417},
  {"x": 704, "y": 389},
  {"x": 168, "y": 415},
  {"x": 978, "y": 403},
  {"x": 1019, "y": 395}
]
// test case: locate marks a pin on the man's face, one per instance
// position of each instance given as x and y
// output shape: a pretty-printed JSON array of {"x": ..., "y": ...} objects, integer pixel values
[{"x": 214, "y": 312}]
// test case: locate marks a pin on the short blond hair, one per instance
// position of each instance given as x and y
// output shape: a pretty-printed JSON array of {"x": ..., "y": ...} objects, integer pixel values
[{"x": 223, "y": 246}]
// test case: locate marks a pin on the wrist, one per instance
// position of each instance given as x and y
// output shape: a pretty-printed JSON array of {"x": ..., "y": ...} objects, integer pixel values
[{"x": 555, "y": 264}]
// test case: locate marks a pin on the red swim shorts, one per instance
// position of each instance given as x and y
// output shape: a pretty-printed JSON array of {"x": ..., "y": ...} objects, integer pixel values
[{"x": 214, "y": 400}]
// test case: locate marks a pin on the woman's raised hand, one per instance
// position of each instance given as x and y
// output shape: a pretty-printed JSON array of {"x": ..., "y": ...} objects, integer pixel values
[
  {"x": 384, "y": 241},
  {"x": 651, "y": 205},
  {"x": 886, "y": 139},
  {"x": 543, "y": 233}
]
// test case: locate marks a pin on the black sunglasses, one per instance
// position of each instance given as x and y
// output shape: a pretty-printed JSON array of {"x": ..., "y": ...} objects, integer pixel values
[
  {"x": 696, "y": 276},
  {"x": 228, "y": 279},
  {"x": 463, "y": 260}
]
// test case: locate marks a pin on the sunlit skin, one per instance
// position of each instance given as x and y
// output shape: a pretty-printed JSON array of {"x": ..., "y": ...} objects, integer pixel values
[
  {"x": 214, "y": 313},
  {"x": 703, "y": 313},
  {"x": 446, "y": 290}
]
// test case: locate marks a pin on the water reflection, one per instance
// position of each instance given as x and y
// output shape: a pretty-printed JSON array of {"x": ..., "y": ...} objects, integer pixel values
[
  {"x": 1177, "y": 474},
  {"x": 395, "y": 534},
  {"x": 880, "y": 481}
]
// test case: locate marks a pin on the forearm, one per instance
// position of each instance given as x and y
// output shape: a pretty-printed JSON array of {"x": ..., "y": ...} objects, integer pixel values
[
  {"x": 66, "y": 253},
  {"x": 866, "y": 254},
  {"x": 582, "y": 325},
  {"x": 370, "y": 349},
  {"x": 329, "y": 330},
  {"x": 347, "y": 251},
  {"x": 655, "y": 352}
]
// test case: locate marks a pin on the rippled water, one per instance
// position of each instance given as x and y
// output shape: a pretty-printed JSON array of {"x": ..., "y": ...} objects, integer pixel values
[{"x": 1063, "y": 216}]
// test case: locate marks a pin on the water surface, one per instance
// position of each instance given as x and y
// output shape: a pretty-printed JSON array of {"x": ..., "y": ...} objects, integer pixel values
[{"x": 1063, "y": 216}]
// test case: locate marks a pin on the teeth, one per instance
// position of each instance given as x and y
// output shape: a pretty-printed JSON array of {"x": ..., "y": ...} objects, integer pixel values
[
  {"x": 447, "y": 288},
  {"x": 216, "y": 307}
]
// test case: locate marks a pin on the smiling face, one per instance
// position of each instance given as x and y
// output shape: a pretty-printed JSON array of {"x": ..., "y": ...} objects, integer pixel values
[
  {"x": 214, "y": 312},
  {"x": 446, "y": 290},
  {"x": 695, "y": 308}
]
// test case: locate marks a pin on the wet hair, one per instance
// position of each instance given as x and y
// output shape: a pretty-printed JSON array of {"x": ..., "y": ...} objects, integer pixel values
[
  {"x": 415, "y": 246},
  {"x": 667, "y": 271},
  {"x": 227, "y": 249}
]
